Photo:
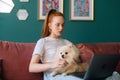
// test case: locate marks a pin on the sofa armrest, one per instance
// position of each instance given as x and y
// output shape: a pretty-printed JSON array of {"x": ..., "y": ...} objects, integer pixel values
[{"x": 1, "y": 76}]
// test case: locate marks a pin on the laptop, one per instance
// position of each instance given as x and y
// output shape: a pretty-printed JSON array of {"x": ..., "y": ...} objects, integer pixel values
[{"x": 101, "y": 66}]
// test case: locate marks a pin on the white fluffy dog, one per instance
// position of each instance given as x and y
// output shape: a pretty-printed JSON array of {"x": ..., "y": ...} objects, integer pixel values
[{"x": 71, "y": 54}]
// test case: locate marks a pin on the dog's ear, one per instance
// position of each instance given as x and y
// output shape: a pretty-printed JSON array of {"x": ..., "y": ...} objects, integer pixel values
[{"x": 70, "y": 45}]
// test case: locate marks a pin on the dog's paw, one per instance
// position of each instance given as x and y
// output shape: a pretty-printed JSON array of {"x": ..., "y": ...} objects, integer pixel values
[
  {"x": 64, "y": 74},
  {"x": 53, "y": 74}
]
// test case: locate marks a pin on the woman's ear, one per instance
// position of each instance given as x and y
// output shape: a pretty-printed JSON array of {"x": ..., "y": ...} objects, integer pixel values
[{"x": 49, "y": 25}]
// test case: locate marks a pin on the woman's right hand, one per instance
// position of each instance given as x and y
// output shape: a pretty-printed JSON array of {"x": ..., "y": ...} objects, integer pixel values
[{"x": 59, "y": 64}]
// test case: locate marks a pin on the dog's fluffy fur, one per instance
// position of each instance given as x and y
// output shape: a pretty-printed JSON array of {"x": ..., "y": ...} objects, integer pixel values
[{"x": 71, "y": 54}]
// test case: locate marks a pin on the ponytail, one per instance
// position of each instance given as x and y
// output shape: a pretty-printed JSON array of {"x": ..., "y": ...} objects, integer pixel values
[{"x": 48, "y": 18}]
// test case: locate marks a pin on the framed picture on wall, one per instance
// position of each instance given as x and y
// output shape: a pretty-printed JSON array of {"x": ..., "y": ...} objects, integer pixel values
[
  {"x": 24, "y": 0},
  {"x": 45, "y": 5},
  {"x": 81, "y": 9}
]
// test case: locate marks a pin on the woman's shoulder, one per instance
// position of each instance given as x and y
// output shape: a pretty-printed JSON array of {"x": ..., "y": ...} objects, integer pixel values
[
  {"x": 40, "y": 40},
  {"x": 43, "y": 39}
]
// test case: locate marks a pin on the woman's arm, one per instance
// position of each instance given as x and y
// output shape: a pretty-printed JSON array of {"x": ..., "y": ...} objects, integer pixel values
[{"x": 36, "y": 67}]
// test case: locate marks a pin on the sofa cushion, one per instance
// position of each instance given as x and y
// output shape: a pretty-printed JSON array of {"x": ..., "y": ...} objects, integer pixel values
[
  {"x": 85, "y": 52},
  {"x": 103, "y": 48},
  {"x": 1, "y": 76},
  {"x": 16, "y": 57}
]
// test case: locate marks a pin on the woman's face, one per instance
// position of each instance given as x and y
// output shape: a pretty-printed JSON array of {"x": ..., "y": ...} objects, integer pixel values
[{"x": 56, "y": 26}]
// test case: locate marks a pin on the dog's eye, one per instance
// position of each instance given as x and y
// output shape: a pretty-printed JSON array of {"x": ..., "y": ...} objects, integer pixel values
[
  {"x": 66, "y": 52},
  {"x": 61, "y": 53}
]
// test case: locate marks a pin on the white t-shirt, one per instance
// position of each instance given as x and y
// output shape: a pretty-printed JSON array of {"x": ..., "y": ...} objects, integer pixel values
[{"x": 47, "y": 47}]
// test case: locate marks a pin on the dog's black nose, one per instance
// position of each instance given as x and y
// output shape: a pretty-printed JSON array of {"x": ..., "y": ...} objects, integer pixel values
[{"x": 62, "y": 56}]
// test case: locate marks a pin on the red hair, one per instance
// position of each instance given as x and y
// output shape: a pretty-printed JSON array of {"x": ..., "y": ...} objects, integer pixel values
[{"x": 49, "y": 16}]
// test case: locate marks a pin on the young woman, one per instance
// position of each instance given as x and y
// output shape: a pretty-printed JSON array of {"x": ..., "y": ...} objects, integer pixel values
[{"x": 46, "y": 47}]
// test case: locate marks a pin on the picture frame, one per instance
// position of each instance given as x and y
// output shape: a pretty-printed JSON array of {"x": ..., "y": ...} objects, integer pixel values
[
  {"x": 24, "y": 0},
  {"x": 45, "y": 5},
  {"x": 81, "y": 10},
  {"x": 22, "y": 14}
]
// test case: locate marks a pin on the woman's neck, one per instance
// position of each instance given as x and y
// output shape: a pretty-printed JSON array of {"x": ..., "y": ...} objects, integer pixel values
[{"x": 56, "y": 37}]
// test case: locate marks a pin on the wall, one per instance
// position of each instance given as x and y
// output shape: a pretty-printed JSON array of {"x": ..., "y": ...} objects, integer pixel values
[{"x": 104, "y": 28}]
